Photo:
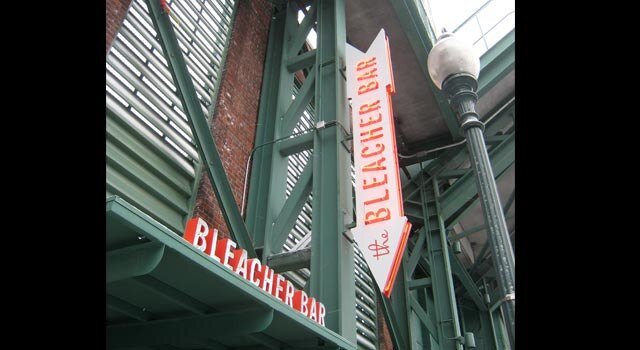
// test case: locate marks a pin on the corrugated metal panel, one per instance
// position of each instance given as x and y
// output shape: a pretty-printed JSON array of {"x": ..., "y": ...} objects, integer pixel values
[{"x": 152, "y": 160}]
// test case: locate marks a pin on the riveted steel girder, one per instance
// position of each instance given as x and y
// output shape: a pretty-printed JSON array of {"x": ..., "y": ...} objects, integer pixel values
[{"x": 332, "y": 260}]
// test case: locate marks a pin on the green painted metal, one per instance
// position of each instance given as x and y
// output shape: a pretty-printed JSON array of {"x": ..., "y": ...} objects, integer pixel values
[
  {"x": 199, "y": 127},
  {"x": 165, "y": 291},
  {"x": 452, "y": 174},
  {"x": 302, "y": 30},
  {"x": 419, "y": 283},
  {"x": 332, "y": 261},
  {"x": 291, "y": 209},
  {"x": 132, "y": 261},
  {"x": 416, "y": 252},
  {"x": 304, "y": 60},
  {"x": 293, "y": 113},
  {"x": 288, "y": 261},
  {"x": 174, "y": 306},
  {"x": 395, "y": 311},
  {"x": 497, "y": 62},
  {"x": 279, "y": 114},
  {"x": 442, "y": 280},
  {"x": 461, "y": 272},
  {"x": 127, "y": 309},
  {"x": 424, "y": 318},
  {"x": 214, "y": 99},
  {"x": 258, "y": 202},
  {"x": 182, "y": 332},
  {"x": 296, "y": 144}
]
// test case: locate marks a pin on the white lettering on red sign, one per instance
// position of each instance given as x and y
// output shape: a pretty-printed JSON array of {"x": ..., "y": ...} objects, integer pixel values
[
  {"x": 382, "y": 229},
  {"x": 224, "y": 252}
]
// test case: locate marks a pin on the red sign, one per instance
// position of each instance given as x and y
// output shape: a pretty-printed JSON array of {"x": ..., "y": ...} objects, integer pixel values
[
  {"x": 381, "y": 228},
  {"x": 224, "y": 251}
]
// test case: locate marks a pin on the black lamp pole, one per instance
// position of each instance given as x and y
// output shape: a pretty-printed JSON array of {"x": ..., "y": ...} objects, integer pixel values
[
  {"x": 462, "y": 98},
  {"x": 454, "y": 67}
]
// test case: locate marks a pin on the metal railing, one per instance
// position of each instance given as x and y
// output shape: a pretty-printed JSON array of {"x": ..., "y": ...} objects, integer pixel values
[{"x": 483, "y": 34}]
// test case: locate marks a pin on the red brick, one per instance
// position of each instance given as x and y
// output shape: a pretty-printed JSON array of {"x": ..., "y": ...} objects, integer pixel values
[
  {"x": 235, "y": 117},
  {"x": 116, "y": 12}
]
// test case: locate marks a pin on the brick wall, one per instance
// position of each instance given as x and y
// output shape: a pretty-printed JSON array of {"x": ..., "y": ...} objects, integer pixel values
[
  {"x": 236, "y": 112},
  {"x": 116, "y": 12}
]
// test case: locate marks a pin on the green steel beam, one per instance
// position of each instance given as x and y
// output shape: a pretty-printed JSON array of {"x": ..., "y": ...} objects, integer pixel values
[
  {"x": 257, "y": 199},
  {"x": 464, "y": 190},
  {"x": 416, "y": 252},
  {"x": 424, "y": 318},
  {"x": 332, "y": 260},
  {"x": 296, "y": 144},
  {"x": 463, "y": 276},
  {"x": 452, "y": 174},
  {"x": 421, "y": 38},
  {"x": 289, "y": 261},
  {"x": 395, "y": 312},
  {"x": 304, "y": 96},
  {"x": 497, "y": 62},
  {"x": 466, "y": 233},
  {"x": 419, "y": 283},
  {"x": 471, "y": 231},
  {"x": 304, "y": 60},
  {"x": 183, "y": 331},
  {"x": 133, "y": 260},
  {"x": 302, "y": 31},
  {"x": 290, "y": 211},
  {"x": 446, "y": 311},
  {"x": 267, "y": 194},
  {"x": 128, "y": 309},
  {"x": 198, "y": 123},
  {"x": 172, "y": 294},
  {"x": 267, "y": 341},
  {"x": 486, "y": 331}
]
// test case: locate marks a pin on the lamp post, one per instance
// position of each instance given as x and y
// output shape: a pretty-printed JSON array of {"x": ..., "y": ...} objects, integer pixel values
[{"x": 454, "y": 68}]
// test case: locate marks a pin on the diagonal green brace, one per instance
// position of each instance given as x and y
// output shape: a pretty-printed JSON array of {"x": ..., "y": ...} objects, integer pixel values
[
  {"x": 198, "y": 123},
  {"x": 291, "y": 209}
]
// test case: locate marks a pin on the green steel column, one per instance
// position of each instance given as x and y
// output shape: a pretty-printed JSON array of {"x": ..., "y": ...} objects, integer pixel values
[
  {"x": 267, "y": 193},
  {"x": 257, "y": 199},
  {"x": 332, "y": 266},
  {"x": 200, "y": 128},
  {"x": 448, "y": 327}
]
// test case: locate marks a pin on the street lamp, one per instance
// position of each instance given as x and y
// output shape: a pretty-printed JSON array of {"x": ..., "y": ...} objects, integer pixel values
[{"x": 454, "y": 68}]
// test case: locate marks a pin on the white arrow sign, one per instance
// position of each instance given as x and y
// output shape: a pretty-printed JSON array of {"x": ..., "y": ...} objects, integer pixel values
[{"x": 382, "y": 229}]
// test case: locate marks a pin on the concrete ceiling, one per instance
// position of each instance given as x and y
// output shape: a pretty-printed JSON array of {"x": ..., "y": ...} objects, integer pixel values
[
  {"x": 414, "y": 105},
  {"x": 417, "y": 114}
]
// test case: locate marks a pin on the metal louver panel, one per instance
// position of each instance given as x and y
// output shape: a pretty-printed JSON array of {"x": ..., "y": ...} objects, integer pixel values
[{"x": 152, "y": 160}]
